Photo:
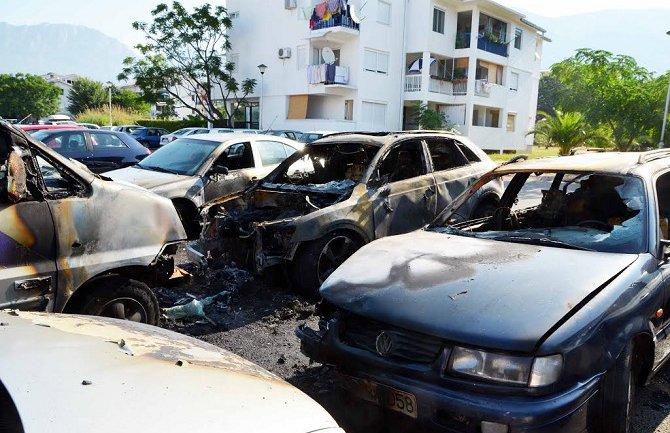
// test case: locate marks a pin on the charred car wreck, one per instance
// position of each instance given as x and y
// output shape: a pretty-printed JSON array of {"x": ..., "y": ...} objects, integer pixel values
[
  {"x": 542, "y": 316},
  {"x": 73, "y": 241},
  {"x": 339, "y": 193}
]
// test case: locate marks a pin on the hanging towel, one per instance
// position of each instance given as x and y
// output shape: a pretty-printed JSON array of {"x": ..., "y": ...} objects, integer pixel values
[
  {"x": 321, "y": 9},
  {"x": 327, "y": 16},
  {"x": 333, "y": 6},
  {"x": 330, "y": 73}
]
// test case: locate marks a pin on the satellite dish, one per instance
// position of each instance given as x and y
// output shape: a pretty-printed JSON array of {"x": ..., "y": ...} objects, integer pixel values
[
  {"x": 356, "y": 10},
  {"x": 328, "y": 55}
]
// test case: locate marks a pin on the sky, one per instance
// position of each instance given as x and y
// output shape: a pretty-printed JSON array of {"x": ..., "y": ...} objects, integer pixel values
[{"x": 113, "y": 17}]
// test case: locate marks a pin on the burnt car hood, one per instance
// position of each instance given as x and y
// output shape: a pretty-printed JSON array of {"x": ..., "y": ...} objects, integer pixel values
[
  {"x": 488, "y": 293},
  {"x": 89, "y": 374},
  {"x": 148, "y": 179}
]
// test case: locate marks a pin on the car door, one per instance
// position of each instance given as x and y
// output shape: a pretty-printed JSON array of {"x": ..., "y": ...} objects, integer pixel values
[
  {"x": 270, "y": 154},
  {"x": 27, "y": 251},
  {"x": 452, "y": 170},
  {"x": 661, "y": 292},
  {"x": 108, "y": 151},
  {"x": 404, "y": 190},
  {"x": 71, "y": 144},
  {"x": 239, "y": 159}
]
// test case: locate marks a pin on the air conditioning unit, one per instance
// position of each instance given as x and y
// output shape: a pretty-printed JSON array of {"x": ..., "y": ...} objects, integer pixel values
[
  {"x": 290, "y": 4},
  {"x": 284, "y": 53}
]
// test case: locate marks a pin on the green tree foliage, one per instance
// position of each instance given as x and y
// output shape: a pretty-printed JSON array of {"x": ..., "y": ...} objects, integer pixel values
[
  {"x": 612, "y": 91},
  {"x": 183, "y": 55},
  {"x": 549, "y": 94},
  {"x": 565, "y": 130},
  {"x": 130, "y": 101},
  {"x": 429, "y": 119},
  {"x": 22, "y": 95},
  {"x": 86, "y": 94}
]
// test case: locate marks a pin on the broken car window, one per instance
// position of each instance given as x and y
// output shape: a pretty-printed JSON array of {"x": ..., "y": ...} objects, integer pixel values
[
  {"x": 271, "y": 152},
  {"x": 53, "y": 179},
  {"x": 445, "y": 154},
  {"x": 403, "y": 162},
  {"x": 594, "y": 211},
  {"x": 182, "y": 156},
  {"x": 237, "y": 157}
]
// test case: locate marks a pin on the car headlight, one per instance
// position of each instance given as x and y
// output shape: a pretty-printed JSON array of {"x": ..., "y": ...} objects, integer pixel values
[{"x": 495, "y": 367}]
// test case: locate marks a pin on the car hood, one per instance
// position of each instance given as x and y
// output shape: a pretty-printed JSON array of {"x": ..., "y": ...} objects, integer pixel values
[
  {"x": 148, "y": 179},
  {"x": 488, "y": 293},
  {"x": 96, "y": 374}
]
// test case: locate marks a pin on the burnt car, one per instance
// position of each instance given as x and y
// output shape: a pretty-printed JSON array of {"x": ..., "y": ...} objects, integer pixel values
[
  {"x": 65, "y": 373},
  {"x": 339, "y": 193},
  {"x": 543, "y": 316},
  {"x": 73, "y": 241}
]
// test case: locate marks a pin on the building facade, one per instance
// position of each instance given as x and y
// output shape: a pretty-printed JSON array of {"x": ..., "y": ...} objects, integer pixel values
[
  {"x": 331, "y": 66},
  {"x": 64, "y": 83}
]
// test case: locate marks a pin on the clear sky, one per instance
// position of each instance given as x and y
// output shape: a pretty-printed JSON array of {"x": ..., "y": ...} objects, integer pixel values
[{"x": 113, "y": 17}]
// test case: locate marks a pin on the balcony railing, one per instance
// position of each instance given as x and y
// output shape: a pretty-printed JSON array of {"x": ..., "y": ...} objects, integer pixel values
[
  {"x": 485, "y": 88},
  {"x": 463, "y": 40},
  {"x": 336, "y": 21},
  {"x": 444, "y": 87},
  {"x": 412, "y": 83},
  {"x": 486, "y": 44},
  {"x": 327, "y": 74}
]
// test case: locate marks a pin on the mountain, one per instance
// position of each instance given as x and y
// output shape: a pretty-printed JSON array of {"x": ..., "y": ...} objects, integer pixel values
[
  {"x": 638, "y": 33},
  {"x": 60, "y": 48}
]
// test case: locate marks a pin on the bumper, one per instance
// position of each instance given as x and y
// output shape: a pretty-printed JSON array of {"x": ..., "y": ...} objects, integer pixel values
[{"x": 453, "y": 409}]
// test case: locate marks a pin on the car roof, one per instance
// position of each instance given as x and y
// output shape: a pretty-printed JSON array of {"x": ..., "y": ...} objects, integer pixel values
[
  {"x": 45, "y": 127},
  {"x": 606, "y": 162},
  {"x": 381, "y": 138},
  {"x": 224, "y": 137}
]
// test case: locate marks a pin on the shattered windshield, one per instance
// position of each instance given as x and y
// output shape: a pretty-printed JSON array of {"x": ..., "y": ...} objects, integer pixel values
[
  {"x": 588, "y": 211},
  {"x": 326, "y": 167},
  {"x": 182, "y": 156}
]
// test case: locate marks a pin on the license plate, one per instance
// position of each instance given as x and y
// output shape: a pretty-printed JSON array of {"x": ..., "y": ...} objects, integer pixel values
[{"x": 385, "y": 396}]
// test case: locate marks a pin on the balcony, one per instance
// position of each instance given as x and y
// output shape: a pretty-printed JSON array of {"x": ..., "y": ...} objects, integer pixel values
[
  {"x": 487, "y": 44},
  {"x": 455, "y": 87},
  {"x": 328, "y": 74},
  {"x": 487, "y": 89},
  {"x": 339, "y": 28}
]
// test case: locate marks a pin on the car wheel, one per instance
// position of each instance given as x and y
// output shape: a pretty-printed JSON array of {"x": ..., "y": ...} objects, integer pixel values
[
  {"x": 122, "y": 298},
  {"x": 318, "y": 259},
  {"x": 617, "y": 395}
]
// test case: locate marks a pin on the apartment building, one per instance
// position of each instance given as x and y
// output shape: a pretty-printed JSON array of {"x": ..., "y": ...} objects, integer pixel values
[
  {"x": 333, "y": 68},
  {"x": 64, "y": 83}
]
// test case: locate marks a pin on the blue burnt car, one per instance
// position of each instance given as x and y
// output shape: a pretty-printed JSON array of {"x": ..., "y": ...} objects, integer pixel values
[
  {"x": 99, "y": 150},
  {"x": 543, "y": 316}
]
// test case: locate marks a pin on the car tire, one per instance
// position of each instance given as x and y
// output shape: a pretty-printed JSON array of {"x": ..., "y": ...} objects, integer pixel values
[
  {"x": 317, "y": 259},
  {"x": 122, "y": 298},
  {"x": 617, "y": 395},
  {"x": 484, "y": 209}
]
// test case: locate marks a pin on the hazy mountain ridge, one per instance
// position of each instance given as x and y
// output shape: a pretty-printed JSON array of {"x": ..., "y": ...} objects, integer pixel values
[
  {"x": 60, "y": 48},
  {"x": 638, "y": 33}
]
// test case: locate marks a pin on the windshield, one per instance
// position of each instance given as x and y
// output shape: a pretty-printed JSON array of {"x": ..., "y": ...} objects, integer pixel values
[
  {"x": 336, "y": 167},
  {"x": 182, "y": 156},
  {"x": 587, "y": 210},
  {"x": 39, "y": 134}
]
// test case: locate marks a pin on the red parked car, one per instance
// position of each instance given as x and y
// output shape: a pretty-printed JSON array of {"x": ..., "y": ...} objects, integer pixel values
[{"x": 31, "y": 129}]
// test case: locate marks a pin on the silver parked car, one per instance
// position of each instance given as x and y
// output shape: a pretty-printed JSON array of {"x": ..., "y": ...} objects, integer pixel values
[
  {"x": 198, "y": 168},
  {"x": 62, "y": 373},
  {"x": 169, "y": 138}
]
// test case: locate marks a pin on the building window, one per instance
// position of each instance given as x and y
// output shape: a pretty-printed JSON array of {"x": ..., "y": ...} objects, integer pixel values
[
  {"x": 301, "y": 57},
  {"x": 511, "y": 122},
  {"x": 383, "y": 12},
  {"x": 349, "y": 109},
  {"x": 374, "y": 114},
  {"x": 514, "y": 81},
  {"x": 234, "y": 15},
  {"x": 376, "y": 61},
  {"x": 486, "y": 116},
  {"x": 438, "y": 20},
  {"x": 317, "y": 56},
  {"x": 235, "y": 60},
  {"x": 518, "y": 34}
]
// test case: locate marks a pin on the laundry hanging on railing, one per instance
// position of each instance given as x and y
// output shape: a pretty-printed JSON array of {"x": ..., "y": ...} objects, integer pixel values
[
  {"x": 331, "y": 13},
  {"x": 327, "y": 74}
]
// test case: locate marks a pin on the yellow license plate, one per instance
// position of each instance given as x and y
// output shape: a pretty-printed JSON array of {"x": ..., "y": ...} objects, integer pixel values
[{"x": 385, "y": 396}]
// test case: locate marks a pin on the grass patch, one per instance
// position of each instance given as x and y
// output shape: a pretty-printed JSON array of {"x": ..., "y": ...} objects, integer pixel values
[{"x": 536, "y": 152}]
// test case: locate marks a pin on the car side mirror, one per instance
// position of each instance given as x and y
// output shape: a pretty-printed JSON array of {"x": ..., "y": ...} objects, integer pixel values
[
  {"x": 16, "y": 177},
  {"x": 219, "y": 169}
]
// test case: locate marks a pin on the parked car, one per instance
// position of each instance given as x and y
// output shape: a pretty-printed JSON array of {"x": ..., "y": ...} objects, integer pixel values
[
  {"x": 149, "y": 137},
  {"x": 168, "y": 138},
  {"x": 71, "y": 241},
  {"x": 89, "y": 125},
  {"x": 198, "y": 168},
  {"x": 82, "y": 374},
  {"x": 32, "y": 129},
  {"x": 287, "y": 133},
  {"x": 126, "y": 128},
  {"x": 99, "y": 150},
  {"x": 337, "y": 194},
  {"x": 308, "y": 137},
  {"x": 543, "y": 316}
]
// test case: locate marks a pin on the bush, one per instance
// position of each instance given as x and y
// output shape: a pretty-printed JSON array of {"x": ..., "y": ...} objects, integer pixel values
[
  {"x": 173, "y": 125},
  {"x": 100, "y": 116}
]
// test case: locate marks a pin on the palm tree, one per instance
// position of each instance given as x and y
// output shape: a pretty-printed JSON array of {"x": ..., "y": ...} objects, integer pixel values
[{"x": 565, "y": 130}]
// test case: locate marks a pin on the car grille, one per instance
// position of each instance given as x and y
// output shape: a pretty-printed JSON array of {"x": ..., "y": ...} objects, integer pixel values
[{"x": 406, "y": 345}]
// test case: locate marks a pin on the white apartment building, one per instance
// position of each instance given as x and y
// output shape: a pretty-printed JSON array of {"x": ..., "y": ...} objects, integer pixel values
[
  {"x": 474, "y": 60},
  {"x": 64, "y": 83}
]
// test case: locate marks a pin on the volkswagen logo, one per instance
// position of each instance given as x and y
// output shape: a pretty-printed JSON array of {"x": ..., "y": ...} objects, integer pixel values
[{"x": 384, "y": 343}]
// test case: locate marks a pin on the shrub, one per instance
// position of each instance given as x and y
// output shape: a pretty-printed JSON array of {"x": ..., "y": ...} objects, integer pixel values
[
  {"x": 100, "y": 116},
  {"x": 173, "y": 125}
]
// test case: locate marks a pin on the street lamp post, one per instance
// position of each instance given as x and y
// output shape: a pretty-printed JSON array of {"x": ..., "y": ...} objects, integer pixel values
[
  {"x": 665, "y": 114},
  {"x": 109, "y": 91},
  {"x": 261, "y": 69}
]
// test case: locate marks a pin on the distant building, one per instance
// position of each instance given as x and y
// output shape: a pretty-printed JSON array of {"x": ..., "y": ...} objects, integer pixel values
[
  {"x": 474, "y": 60},
  {"x": 64, "y": 83}
]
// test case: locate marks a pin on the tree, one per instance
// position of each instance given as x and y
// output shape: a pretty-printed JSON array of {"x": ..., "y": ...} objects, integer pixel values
[
  {"x": 430, "y": 119},
  {"x": 130, "y": 101},
  {"x": 549, "y": 94},
  {"x": 183, "y": 56},
  {"x": 27, "y": 95},
  {"x": 565, "y": 130},
  {"x": 611, "y": 90},
  {"x": 86, "y": 94}
]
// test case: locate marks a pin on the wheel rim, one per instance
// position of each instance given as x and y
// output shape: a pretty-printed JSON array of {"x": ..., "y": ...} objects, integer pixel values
[
  {"x": 333, "y": 254},
  {"x": 125, "y": 309}
]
